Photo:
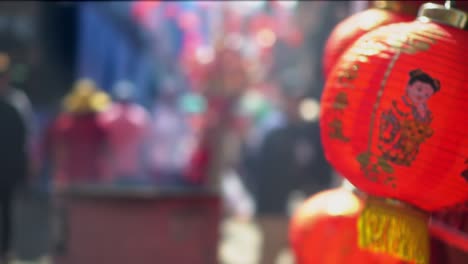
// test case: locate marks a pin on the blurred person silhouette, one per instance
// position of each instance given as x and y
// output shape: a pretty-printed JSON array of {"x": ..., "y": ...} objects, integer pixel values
[
  {"x": 76, "y": 141},
  {"x": 171, "y": 135},
  {"x": 238, "y": 201},
  {"x": 196, "y": 170},
  {"x": 288, "y": 162},
  {"x": 127, "y": 124},
  {"x": 15, "y": 117},
  {"x": 266, "y": 118}
]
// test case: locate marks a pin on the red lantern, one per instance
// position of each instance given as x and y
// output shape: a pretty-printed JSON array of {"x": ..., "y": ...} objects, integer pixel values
[
  {"x": 393, "y": 123},
  {"x": 141, "y": 10},
  {"x": 323, "y": 230},
  {"x": 261, "y": 22},
  {"x": 232, "y": 21},
  {"x": 352, "y": 28},
  {"x": 226, "y": 74}
]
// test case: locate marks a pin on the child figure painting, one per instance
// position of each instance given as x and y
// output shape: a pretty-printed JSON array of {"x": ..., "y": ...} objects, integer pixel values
[{"x": 406, "y": 125}]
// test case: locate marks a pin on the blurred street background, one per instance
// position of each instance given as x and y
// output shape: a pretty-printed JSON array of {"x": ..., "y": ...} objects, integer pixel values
[{"x": 145, "y": 110}]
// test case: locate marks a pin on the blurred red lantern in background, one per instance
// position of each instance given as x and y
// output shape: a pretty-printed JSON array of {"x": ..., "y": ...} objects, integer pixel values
[
  {"x": 217, "y": 72},
  {"x": 263, "y": 29},
  {"x": 189, "y": 20},
  {"x": 261, "y": 22},
  {"x": 323, "y": 230},
  {"x": 75, "y": 139},
  {"x": 294, "y": 38},
  {"x": 394, "y": 123},
  {"x": 232, "y": 22},
  {"x": 198, "y": 64},
  {"x": 227, "y": 72},
  {"x": 141, "y": 11},
  {"x": 352, "y": 28}
]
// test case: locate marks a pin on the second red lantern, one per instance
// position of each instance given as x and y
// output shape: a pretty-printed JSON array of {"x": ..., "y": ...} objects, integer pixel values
[{"x": 323, "y": 230}]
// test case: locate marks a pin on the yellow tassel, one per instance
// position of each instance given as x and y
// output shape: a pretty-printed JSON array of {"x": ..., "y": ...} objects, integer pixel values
[{"x": 394, "y": 228}]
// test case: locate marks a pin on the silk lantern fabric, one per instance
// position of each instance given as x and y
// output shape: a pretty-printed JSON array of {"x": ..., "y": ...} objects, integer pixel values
[
  {"x": 352, "y": 28},
  {"x": 323, "y": 230},
  {"x": 393, "y": 116}
]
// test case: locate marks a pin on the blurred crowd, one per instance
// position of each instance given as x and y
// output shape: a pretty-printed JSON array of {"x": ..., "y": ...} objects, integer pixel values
[
  {"x": 106, "y": 139},
  {"x": 238, "y": 115}
]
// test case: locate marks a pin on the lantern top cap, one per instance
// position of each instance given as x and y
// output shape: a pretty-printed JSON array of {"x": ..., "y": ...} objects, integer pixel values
[
  {"x": 448, "y": 15},
  {"x": 396, "y": 6}
]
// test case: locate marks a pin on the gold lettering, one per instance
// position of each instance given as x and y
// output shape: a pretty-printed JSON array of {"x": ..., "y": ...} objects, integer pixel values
[
  {"x": 341, "y": 101},
  {"x": 347, "y": 73},
  {"x": 410, "y": 43},
  {"x": 336, "y": 130}
]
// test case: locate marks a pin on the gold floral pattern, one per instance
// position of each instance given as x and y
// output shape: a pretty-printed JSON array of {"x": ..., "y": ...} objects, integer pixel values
[{"x": 336, "y": 125}]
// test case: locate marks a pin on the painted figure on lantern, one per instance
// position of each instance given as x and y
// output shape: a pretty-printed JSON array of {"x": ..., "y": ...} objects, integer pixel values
[{"x": 406, "y": 125}]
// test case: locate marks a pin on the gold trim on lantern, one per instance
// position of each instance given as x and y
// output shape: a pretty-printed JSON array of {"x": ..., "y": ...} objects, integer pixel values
[
  {"x": 395, "y": 228},
  {"x": 440, "y": 14},
  {"x": 396, "y": 6}
]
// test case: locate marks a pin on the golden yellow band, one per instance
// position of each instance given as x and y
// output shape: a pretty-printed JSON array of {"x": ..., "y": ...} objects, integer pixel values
[{"x": 394, "y": 228}]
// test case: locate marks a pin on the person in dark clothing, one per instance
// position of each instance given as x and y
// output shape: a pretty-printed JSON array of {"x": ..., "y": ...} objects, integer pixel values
[
  {"x": 13, "y": 151},
  {"x": 289, "y": 162}
]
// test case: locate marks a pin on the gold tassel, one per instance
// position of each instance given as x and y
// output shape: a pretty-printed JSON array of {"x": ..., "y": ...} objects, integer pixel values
[{"x": 394, "y": 228}]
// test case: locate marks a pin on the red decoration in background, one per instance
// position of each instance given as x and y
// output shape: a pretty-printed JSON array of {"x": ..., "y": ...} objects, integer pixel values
[
  {"x": 189, "y": 21},
  {"x": 260, "y": 22},
  {"x": 225, "y": 75},
  {"x": 78, "y": 147},
  {"x": 197, "y": 71},
  {"x": 199, "y": 164},
  {"x": 192, "y": 41},
  {"x": 352, "y": 28},
  {"x": 141, "y": 10},
  {"x": 171, "y": 9},
  {"x": 232, "y": 22},
  {"x": 128, "y": 128},
  {"x": 394, "y": 114},
  {"x": 323, "y": 230},
  {"x": 294, "y": 37},
  {"x": 263, "y": 29}
]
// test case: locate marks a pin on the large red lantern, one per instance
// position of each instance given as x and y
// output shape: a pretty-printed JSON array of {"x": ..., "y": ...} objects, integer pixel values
[
  {"x": 349, "y": 30},
  {"x": 323, "y": 230},
  {"x": 393, "y": 122}
]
